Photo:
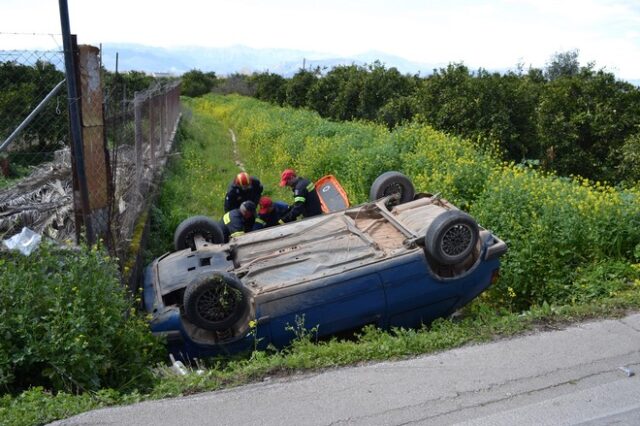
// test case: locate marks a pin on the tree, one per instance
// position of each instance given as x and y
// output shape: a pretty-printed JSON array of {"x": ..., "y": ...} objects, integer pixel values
[
  {"x": 323, "y": 94},
  {"x": 196, "y": 83},
  {"x": 381, "y": 85},
  {"x": 235, "y": 83},
  {"x": 583, "y": 121},
  {"x": 23, "y": 88},
  {"x": 629, "y": 168},
  {"x": 447, "y": 99},
  {"x": 346, "y": 104},
  {"x": 505, "y": 105},
  {"x": 298, "y": 87},
  {"x": 269, "y": 87},
  {"x": 573, "y": 119},
  {"x": 397, "y": 111},
  {"x": 563, "y": 64},
  {"x": 121, "y": 87}
]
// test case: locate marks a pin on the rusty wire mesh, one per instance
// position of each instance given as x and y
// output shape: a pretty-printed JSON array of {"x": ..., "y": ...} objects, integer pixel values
[
  {"x": 125, "y": 142},
  {"x": 140, "y": 132}
]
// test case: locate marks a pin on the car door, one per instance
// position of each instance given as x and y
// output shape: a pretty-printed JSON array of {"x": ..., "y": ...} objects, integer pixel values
[
  {"x": 340, "y": 303},
  {"x": 413, "y": 295}
]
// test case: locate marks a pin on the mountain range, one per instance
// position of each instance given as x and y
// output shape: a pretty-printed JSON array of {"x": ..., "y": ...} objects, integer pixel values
[{"x": 242, "y": 59}]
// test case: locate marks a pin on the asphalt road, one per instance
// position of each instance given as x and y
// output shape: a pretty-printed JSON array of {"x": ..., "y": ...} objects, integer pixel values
[{"x": 565, "y": 377}]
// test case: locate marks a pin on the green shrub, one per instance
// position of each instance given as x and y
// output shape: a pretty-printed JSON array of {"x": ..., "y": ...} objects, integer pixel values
[
  {"x": 560, "y": 231},
  {"x": 443, "y": 164},
  {"x": 67, "y": 324}
]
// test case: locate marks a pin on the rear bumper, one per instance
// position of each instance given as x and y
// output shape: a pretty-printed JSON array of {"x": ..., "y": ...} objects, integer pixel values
[
  {"x": 149, "y": 291},
  {"x": 166, "y": 323}
]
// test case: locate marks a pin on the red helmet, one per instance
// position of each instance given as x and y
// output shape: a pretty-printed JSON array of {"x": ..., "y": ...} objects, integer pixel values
[
  {"x": 243, "y": 180},
  {"x": 286, "y": 176},
  {"x": 265, "y": 205}
]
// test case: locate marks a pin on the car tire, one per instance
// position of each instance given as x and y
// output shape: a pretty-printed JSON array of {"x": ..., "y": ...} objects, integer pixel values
[
  {"x": 451, "y": 237},
  {"x": 208, "y": 228},
  {"x": 390, "y": 183},
  {"x": 215, "y": 302}
]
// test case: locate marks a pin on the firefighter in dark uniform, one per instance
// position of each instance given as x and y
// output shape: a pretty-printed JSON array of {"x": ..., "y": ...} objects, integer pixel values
[
  {"x": 306, "y": 202},
  {"x": 238, "y": 221},
  {"x": 243, "y": 188},
  {"x": 270, "y": 213}
]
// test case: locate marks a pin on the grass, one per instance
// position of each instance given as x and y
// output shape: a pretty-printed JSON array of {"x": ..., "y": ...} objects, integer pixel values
[
  {"x": 480, "y": 324},
  {"x": 196, "y": 179}
]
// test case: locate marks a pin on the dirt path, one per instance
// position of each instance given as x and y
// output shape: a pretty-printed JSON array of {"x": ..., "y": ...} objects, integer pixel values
[{"x": 236, "y": 152}]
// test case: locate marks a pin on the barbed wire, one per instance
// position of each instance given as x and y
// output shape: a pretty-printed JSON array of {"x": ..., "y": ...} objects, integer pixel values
[{"x": 55, "y": 37}]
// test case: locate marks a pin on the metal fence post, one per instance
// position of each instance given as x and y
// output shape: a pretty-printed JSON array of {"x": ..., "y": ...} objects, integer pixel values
[
  {"x": 152, "y": 131},
  {"x": 75, "y": 124},
  {"x": 163, "y": 120},
  {"x": 96, "y": 157},
  {"x": 138, "y": 101}
]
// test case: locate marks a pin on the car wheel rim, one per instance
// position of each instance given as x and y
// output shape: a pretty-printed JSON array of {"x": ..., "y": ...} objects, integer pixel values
[
  {"x": 456, "y": 240},
  {"x": 218, "y": 303}
]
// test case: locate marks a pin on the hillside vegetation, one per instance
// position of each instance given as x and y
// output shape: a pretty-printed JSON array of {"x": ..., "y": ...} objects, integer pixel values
[
  {"x": 570, "y": 240},
  {"x": 567, "y": 118}
]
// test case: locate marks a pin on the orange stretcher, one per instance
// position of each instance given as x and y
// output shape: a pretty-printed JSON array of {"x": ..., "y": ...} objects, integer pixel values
[{"x": 332, "y": 196}]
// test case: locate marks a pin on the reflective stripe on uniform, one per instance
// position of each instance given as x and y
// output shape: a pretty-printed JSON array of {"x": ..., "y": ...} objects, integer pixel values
[
  {"x": 311, "y": 186},
  {"x": 299, "y": 199},
  {"x": 260, "y": 221},
  {"x": 226, "y": 218},
  {"x": 235, "y": 234}
]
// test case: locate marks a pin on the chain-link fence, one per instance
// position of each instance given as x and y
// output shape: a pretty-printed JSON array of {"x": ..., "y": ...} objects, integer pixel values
[
  {"x": 140, "y": 132},
  {"x": 125, "y": 143},
  {"x": 34, "y": 126}
]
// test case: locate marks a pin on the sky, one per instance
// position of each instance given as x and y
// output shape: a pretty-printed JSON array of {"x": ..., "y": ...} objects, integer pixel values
[{"x": 493, "y": 34}]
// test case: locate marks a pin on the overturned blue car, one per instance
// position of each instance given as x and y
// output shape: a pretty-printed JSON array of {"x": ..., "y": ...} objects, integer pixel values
[{"x": 400, "y": 260}]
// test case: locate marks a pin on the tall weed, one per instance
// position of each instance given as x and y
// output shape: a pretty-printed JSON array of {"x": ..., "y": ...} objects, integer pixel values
[{"x": 559, "y": 230}]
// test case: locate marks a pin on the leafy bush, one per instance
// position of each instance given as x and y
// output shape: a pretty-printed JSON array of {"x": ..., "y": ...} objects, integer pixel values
[
  {"x": 66, "y": 323},
  {"x": 561, "y": 232},
  {"x": 197, "y": 83},
  {"x": 445, "y": 164},
  {"x": 558, "y": 231}
]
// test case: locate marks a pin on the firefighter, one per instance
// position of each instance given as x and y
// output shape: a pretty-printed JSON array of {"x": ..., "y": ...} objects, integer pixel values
[
  {"x": 270, "y": 213},
  {"x": 238, "y": 221},
  {"x": 243, "y": 188},
  {"x": 306, "y": 202}
]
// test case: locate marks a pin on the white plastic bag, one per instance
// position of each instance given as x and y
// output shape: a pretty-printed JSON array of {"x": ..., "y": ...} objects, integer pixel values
[{"x": 26, "y": 241}]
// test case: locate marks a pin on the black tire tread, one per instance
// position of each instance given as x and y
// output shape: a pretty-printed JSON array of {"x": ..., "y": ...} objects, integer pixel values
[
  {"x": 203, "y": 284},
  {"x": 193, "y": 225},
  {"x": 440, "y": 226},
  {"x": 390, "y": 178}
]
